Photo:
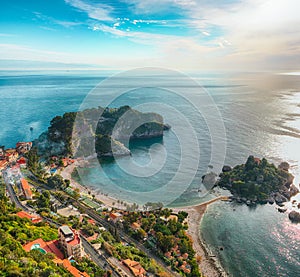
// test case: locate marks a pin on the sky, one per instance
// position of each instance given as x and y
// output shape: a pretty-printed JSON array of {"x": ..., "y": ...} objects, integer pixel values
[{"x": 194, "y": 35}]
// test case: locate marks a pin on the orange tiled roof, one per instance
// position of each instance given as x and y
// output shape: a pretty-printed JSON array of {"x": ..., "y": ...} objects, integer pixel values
[
  {"x": 34, "y": 219},
  {"x": 73, "y": 270},
  {"x": 76, "y": 239},
  {"x": 26, "y": 187},
  {"x": 115, "y": 215},
  {"x": 135, "y": 267},
  {"x": 3, "y": 163},
  {"x": 135, "y": 226}
]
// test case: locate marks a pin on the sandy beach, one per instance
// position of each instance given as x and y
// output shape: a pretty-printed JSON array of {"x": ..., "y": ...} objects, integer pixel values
[
  {"x": 107, "y": 200},
  {"x": 208, "y": 265}
]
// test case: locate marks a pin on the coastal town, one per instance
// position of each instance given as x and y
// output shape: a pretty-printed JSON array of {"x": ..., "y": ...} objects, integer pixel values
[
  {"x": 147, "y": 241},
  {"x": 97, "y": 235}
]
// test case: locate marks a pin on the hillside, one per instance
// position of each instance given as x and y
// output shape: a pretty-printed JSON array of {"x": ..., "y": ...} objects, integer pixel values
[{"x": 105, "y": 130}]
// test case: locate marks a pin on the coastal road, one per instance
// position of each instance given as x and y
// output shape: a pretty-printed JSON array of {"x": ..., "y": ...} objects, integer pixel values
[
  {"x": 13, "y": 195},
  {"x": 95, "y": 256},
  {"x": 93, "y": 214},
  {"x": 99, "y": 259}
]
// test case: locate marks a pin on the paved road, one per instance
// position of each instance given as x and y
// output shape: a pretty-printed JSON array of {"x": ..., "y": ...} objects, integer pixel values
[
  {"x": 93, "y": 214},
  {"x": 99, "y": 260},
  {"x": 13, "y": 196},
  {"x": 96, "y": 257}
]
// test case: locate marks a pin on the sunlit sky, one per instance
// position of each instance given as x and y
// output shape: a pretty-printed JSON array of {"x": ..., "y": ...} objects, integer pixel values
[{"x": 236, "y": 35}]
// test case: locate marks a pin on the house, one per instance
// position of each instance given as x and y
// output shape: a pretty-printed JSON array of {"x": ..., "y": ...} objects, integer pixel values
[
  {"x": 68, "y": 266},
  {"x": 135, "y": 267},
  {"x": 3, "y": 164},
  {"x": 67, "y": 161},
  {"x": 70, "y": 242},
  {"x": 26, "y": 189},
  {"x": 135, "y": 226},
  {"x": 23, "y": 147},
  {"x": 185, "y": 267},
  {"x": 11, "y": 155},
  {"x": 115, "y": 217},
  {"x": 33, "y": 218},
  {"x": 52, "y": 247},
  {"x": 44, "y": 247},
  {"x": 22, "y": 162}
]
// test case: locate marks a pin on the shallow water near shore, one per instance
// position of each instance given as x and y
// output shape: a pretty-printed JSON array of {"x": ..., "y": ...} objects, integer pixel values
[
  {"x": 255, "y": 241},
  {"x": 262, "y": 122}
]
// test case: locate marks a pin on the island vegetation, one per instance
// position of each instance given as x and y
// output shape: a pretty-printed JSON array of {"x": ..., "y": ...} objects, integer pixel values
[
  {"x": 104, "y": 128},
  {"x": 258, "y": 181}
]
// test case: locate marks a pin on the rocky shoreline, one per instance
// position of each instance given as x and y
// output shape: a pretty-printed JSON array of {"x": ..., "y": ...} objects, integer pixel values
[{"x": 280, "y": 195}]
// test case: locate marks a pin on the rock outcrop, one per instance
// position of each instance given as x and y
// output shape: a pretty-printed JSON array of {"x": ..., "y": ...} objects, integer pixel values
[
  {"x": 294, "y": 216},
  {"x": 106, "y": 131}
]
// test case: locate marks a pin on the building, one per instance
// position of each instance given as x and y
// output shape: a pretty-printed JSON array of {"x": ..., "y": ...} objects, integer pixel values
[
  {"x": 22, "y": 162},
  {"x": 70, "y": 242},
  {"x": 135, "y": 267},
  {"x": 23, "y": 147},
  {"x": 26, "y": 189},
  {"x": 11, "y": 155},
  {"x": 32, "y": 218},
  {"x": 52, "y": 247},
  {"x": 3, "y": 164},
  {"x": 115, "y": 217},
  {"x": 67, "y": 161},
  {"x": 135, "y": 226}
]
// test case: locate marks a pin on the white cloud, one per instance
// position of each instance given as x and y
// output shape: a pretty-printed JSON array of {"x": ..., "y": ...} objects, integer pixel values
[
  {"x": 97, "y": 11},
  {"x": 205, "y": 33}
]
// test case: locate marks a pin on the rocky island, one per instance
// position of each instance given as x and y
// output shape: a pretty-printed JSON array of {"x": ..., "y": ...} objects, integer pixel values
[
  {"x": 105, "y": 131},
  {"x": 258, "y": 181}
]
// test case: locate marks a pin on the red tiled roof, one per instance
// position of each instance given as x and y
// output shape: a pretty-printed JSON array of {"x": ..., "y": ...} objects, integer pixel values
[
  {"x": 91, "y": 221},
  {"x": 76, "y": 240},
  {"x": 49, "y": 247},
  {"x": 22, "y": 160}
]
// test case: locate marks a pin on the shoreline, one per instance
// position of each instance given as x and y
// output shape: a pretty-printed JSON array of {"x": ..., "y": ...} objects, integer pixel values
[
  {"x": 209, "y": 266},
  {"x": 107, "y": 200}
]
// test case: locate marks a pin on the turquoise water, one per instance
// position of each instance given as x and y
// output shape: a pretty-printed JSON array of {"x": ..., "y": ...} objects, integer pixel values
[
  {"x": 255, "y": 242},
  {"x": 262, "y": 121}
]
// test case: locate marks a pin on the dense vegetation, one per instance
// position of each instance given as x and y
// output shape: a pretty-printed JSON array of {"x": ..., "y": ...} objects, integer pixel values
[
  {"x": 58, "y": 139},
  {"x": 14, "y": 232},
  {"x": 165, "y": 235},
  {"x": 113, "y": 246},
  {"x": 255, "y": 180}
]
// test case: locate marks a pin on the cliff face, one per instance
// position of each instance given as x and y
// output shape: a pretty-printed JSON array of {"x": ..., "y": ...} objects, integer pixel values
[{"x": 72, "y": 133}]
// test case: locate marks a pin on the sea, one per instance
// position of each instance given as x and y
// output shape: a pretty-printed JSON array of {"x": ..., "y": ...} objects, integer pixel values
[{"x": 215, "y": 118}]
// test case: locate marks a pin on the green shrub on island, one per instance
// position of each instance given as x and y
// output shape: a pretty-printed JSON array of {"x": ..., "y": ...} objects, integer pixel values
[{"x": 256, "y": 180}]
